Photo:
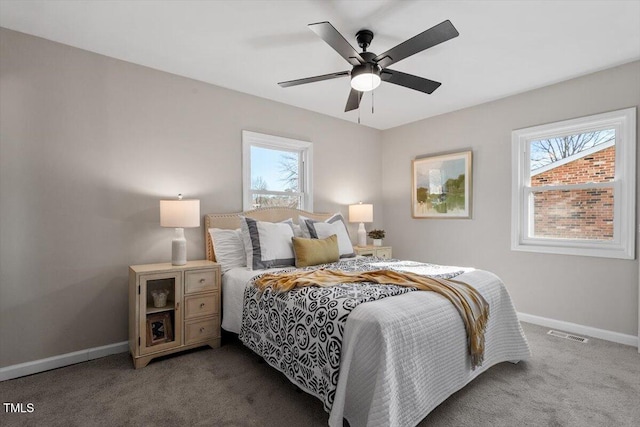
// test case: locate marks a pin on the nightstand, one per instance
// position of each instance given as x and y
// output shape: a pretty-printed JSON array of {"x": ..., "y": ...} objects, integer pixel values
[
  {"x": 370, "y": 250},
  {"x": 172, "y": 308}
]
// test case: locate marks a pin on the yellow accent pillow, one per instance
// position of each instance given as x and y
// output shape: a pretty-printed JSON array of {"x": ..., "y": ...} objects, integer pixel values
[{"x": 315, "y": 251}]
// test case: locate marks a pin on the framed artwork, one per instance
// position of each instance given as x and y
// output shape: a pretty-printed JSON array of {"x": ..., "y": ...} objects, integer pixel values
[
  {"x": 442, "y": 186},
  {"x": 159, "y": 329}
]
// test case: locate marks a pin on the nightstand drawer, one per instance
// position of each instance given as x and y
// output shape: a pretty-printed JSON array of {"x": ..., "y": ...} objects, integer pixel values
[
  {"x": 383, "y": 253},
  {"x": 376, "y": 251},
  {"x": 199, "y": 330},
  {"x": 366, "y": 252},
  {"x": 200, "y": 280},
  {"x": 201, "y": 305}
]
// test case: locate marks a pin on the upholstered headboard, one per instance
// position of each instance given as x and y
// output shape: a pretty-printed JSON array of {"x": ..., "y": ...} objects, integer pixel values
[{"x": 232, "y": 221}]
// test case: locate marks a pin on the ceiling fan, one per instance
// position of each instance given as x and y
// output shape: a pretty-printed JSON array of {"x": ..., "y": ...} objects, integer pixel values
[{"x": 370, "y": 69}]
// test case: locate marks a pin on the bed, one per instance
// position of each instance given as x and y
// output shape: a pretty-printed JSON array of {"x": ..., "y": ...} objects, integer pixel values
[{"x": 400, "y": 356}]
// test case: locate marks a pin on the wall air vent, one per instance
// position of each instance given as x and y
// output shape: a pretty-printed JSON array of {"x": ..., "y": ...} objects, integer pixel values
[{"x": 568, "y": 336}]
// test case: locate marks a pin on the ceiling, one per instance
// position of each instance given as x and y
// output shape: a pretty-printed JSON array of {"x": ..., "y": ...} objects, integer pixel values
[{"x": 504, "y": 47}]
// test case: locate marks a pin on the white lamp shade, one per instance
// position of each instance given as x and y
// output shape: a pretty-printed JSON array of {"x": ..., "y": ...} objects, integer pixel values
[
  {"x": 361, "y": 213},
  {"x": 180, "y": 213}
]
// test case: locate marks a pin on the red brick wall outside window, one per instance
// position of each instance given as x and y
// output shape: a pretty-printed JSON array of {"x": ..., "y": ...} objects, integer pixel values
[{"x": 576, "y": 214}]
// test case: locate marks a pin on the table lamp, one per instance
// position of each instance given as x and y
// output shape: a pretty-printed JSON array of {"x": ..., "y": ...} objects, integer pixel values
[
  {"x": 179, "y": 214},
  {"x": 361, "y": 213}
]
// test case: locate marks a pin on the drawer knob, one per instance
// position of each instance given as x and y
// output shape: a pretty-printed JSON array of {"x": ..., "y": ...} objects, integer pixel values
[
  {"x": 201, "y": 330},
  {"x": 202, "y": 305},
  {"x": 202, "y": 280}
]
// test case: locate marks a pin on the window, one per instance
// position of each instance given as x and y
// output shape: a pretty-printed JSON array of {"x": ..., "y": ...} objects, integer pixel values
[
  {"x": 276, "y": 172},
  {"x": 573, "y": 188}
]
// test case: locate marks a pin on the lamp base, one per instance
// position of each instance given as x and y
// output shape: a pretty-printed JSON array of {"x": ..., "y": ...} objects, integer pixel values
[
  {"x": 179, "y": 248},
  {"x": 362, "y": 235}
]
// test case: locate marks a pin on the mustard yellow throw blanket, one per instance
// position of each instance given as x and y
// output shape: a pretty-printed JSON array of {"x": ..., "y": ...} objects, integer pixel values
[{"x": 473, "y": 308}]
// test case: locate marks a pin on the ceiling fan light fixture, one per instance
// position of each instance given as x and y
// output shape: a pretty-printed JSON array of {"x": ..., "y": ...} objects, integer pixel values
[
  {"x": 365, "y": 77},
  {"x": 368, "y": 68}
]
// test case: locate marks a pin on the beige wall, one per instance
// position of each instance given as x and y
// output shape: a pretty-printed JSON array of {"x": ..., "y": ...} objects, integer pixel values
[
  {"x": 596, "y": 292},
  {"x": 88, "y": 146}
]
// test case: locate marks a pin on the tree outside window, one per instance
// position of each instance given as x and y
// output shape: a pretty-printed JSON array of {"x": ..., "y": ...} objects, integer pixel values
[{"x": 277, "y": 172}]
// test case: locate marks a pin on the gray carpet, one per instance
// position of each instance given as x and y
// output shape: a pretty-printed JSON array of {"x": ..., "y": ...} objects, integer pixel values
[{"x": 564, "y": 384}]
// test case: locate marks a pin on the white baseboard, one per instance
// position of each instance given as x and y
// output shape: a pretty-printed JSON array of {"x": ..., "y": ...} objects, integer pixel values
[
  {"x": 574, "y": 328},
  {"x": 33, "y": 367}
]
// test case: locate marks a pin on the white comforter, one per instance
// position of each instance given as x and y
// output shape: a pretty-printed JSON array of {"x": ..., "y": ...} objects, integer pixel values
[{"x": 402, "y": 356}]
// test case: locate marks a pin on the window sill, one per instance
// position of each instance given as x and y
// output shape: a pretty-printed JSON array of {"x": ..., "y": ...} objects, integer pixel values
[{"x": 578, "y": 248}]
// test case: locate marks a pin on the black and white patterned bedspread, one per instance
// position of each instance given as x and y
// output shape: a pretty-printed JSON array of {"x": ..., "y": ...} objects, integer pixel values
[{"x": 300, "y": 332}]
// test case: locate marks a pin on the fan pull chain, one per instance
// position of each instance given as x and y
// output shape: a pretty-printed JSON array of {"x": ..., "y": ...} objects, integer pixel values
[{"x": 372, "y": 101}]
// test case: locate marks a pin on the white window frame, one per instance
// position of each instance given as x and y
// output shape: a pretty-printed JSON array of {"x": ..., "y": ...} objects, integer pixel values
[
  {"x": 305, "y": 168},
  {"x": 624, "y": 184}
]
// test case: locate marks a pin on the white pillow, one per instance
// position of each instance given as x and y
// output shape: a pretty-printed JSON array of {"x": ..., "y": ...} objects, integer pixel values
[
  {"x": 332, "y": 225},
  {"x": 297, "y": 230},
  {"x": 228, "y": 247},
  {"x": 267, "y": 244}
]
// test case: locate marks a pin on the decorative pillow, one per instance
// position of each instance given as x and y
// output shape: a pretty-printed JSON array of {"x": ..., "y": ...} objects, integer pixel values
[
  {"x": 304, "y": 230},
  {"x": 304, "y": 221},
  {"x": 228, "y": 247},
  {"x": 315, "y": 251},
  {"x": 297, "y": 230},
  {"x": 267, "y": 244},
  {"x": 332, "y": 225}
]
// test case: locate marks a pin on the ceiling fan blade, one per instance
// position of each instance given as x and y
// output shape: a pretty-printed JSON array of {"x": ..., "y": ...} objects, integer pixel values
[
  {"x": 333, "y": 38},
  {"x": 353, "y": 102},
  {"x": 314, "y": 79},
  {"x": 409, "y": 80},
  {"x": 435, "y": 35}
]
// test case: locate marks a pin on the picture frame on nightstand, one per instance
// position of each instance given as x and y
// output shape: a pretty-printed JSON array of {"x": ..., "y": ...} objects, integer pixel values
[{"x": 159, "y": 329}]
